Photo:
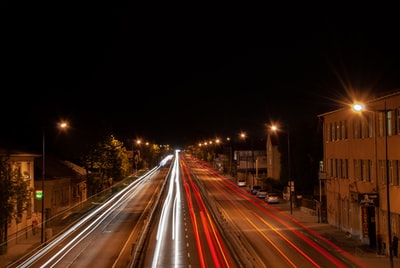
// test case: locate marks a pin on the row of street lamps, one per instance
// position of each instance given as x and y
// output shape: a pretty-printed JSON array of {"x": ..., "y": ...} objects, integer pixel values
[{"x": 275, "y": 129}]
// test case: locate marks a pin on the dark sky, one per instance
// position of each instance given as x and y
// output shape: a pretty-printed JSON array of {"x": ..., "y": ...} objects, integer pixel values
[{"x": 178, "y": 74}]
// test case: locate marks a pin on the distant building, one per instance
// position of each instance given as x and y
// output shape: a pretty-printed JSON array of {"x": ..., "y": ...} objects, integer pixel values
[
  {"x": 64, "y": 185},
  {"x": 251, "y": 164},
  {"x": 273, "y": 158},
  {"x": 362, "y": 153}
]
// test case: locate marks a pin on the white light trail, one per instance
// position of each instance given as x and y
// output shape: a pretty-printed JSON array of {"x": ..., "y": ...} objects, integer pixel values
[{"x": 171, "y": 202}]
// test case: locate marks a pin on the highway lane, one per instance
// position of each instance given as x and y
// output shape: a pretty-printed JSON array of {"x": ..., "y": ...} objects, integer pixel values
[
  {"x": 184, "y": 234},
  {"x": 164, "y": 245}
]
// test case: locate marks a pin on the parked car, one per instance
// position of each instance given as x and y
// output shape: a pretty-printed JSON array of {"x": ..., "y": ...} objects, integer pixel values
[
  {"x": 255, "y": 189},
  {"x": 261, "y": 193},
  {"x": 272, "y": 198},
  {"x": 241, "y": 182}
]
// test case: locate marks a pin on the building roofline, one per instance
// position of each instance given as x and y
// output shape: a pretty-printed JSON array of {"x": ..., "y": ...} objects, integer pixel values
[{"x": 376, "y": 99}]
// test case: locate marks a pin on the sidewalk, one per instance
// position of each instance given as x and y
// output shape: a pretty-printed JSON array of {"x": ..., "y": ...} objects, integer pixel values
[
  {"x": 351, "y": 245},
  {"x": 16, "y": 248}
]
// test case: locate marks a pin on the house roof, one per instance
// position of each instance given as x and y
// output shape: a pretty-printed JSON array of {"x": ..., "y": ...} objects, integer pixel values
[
  {"x": 385, "y": 96},
  {"x": 4, "y": 151},
  {"x": 55, "y": 168}
]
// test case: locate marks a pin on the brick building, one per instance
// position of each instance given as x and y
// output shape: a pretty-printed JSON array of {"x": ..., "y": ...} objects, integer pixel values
[{"x": 361, "y": 155}]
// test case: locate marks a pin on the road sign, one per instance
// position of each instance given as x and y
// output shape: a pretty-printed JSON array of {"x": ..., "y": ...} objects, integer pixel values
[{"x": 39, "y": 194}]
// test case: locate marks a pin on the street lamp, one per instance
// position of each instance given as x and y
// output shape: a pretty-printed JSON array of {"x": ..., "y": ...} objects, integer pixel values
[
  {"x": 275, "y": 129},
  {"x": 244, "y": 136},
  {"x": 229, "y": 151},
  {"x": 62, "y": 125},
  {"x": 137, "y": 156},
  {"x": 359, "y": 107}
]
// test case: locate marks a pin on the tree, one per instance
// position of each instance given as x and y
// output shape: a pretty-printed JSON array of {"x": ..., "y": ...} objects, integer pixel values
[
  {"x": 154, "y": 155},
  {"x": 15, "y": 196},
  {"x": 116, "y": 157},
  {"x": 106, "y": 161}
]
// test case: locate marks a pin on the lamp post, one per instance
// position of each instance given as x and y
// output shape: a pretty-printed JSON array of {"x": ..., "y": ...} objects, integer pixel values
[
  {"x": 43, "y": 176},
  {"x": 244, "y": 136},
  {"x": 228, "y": 140},
  {"x": 274, "y": 128},
  {"x": 133, "y": 156},
  {"x": 359, "y": 108},
  {"x": 137, "y": 155},
  {"x": 61, "y": 125}
]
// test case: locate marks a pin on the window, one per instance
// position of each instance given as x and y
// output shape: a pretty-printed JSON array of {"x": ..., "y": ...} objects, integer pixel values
[
  {"x": 329, "y": 132},
  {"x": 390, "y": 123},
  {"x": 345, "y": 168},
  {"x": 398, "y": 121},
  {"x": 382, "y": 171},
  {"x": 381, "y": 124},
  {"x": 337, "y": 131},
  {"x": 396, "y": 180},
  {"x": 335, "y": 168},
  {"x": 343, "y": 128},
  {"x": 366, "y": 170},
  {"x": 367, "y": 126},
  {"x": 357, "y": 170},
  {"x": 339, "y": 168},
  {"x": 356, "y": 128},
  {"x": 333, "y": 131},
  {"x": 390, "y": 163}
]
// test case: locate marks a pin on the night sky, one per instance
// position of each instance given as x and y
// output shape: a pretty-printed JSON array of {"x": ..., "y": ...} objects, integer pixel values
[{"x": 180, "y": 74}]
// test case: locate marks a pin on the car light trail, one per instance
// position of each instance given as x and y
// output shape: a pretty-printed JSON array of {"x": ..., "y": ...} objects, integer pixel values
[
  {"x": 177, "y": 218},
  {"x": 172, "y": 203},
  {"x": 253, "y": 200},
  {"x": 303, "y": 237},
  {"x": 194, "y": 224},
  {"x": 333, "y": 245},
  {"x": 214, "y": 241},
  {"x": 284, "y": 238},
  {"x": 105, "y": 209}
]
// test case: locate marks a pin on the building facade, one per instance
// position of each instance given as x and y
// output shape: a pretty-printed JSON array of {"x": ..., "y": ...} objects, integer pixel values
[
  {"x": 65, "y": 187},
  {"x": 24, "y": 163},
  {"x": 251, "y": 165},
  {"x": 273, "y": 159},
  {"x": 360, "y": 171}
]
